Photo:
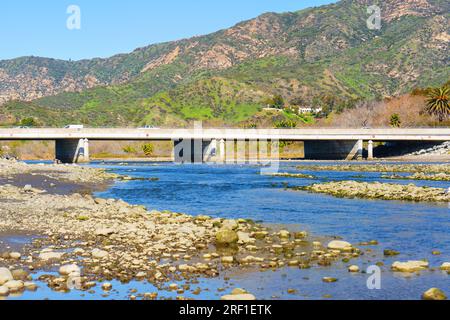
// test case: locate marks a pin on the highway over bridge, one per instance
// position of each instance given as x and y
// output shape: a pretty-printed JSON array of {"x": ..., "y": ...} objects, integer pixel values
[{"x": 198, "y": 144}]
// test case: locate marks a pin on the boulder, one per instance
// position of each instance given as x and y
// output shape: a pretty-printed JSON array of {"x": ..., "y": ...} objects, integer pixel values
[
  {"x": 238, "y": 291},
  {"x": 339, "y": 245},
  {"x": 99, "y": 254},
  {"x": 445, "y": 266},
  {"x": 15, "y": 255},
  {"x": 284, "y": 234},
  {"x": 409, "y": 266},
  {"x": 4, "y": 291},
  {"x": 50, "y": 255},
  {"x": 14, "y": 285},
  {"x": 30, "y": 286},
  {"x": 390, "y": 253},
  {"x": 244, "y": 238},
  {"x": 226, "y": 237},
  {"x": 70, "y": 269},
  {"x": 434, "y": 294},
  {"x": 230, "y": 224},
  {"x": 5, "y": 276},
  {"x": 300, "y": 235},
  {"x": 106, "y": 286},
  {"x": 353, "y": 269},
  {"x": 20, "y": 274},
  {"x": 238, "y": 297},
  {"x": 227, "y": 259}
]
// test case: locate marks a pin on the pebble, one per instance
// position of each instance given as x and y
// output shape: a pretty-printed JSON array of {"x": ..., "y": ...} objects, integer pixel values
[
  {"x": 329, "y": 279},
  {"x": 227, "y": 259},
  {"x": 106, "y": 286}
]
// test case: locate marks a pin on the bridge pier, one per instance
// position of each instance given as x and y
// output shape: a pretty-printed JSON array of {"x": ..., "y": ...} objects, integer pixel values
[
  {"x": 370, "y": 150},
  {"x": 72, "y": 150},
  {"x": 195, "y": 150},
  {"x": 334, "y": 150}
]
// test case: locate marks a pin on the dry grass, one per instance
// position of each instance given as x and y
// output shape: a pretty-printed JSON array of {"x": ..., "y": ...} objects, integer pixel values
[{"x": 378, "y": 114}]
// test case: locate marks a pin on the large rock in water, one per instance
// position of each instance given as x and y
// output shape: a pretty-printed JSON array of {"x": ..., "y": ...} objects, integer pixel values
[
  {"x": 339, "y": 245},
  {"x": 434, "y": 294},
  {"x": 445, "y": 266},
  {"x": 5, "y": 276},
  {"x": 226, "y": 237},
  {"x": 239, "y": 297},
  {"x": 409, "y": 266}
]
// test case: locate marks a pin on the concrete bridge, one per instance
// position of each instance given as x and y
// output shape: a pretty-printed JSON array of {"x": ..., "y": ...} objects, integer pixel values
[{"x": 197, "y": 144}]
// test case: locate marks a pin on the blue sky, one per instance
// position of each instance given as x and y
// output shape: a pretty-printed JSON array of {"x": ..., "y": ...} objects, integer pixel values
[{"x": 108, "y": 27}]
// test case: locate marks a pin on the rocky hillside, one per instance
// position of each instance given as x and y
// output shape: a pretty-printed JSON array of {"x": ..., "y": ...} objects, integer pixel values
[{"x": 317, "y": 52}]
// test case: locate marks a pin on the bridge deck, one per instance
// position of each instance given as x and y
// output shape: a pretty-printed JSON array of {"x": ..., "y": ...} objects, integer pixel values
[{"x": 440, "y": 134}]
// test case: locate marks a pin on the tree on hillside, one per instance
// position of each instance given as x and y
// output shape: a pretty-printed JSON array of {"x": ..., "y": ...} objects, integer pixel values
[
  {"x": 28, "y": 122},
  {"x": 148, "y": 149},
  {"x": 438, "y": 104},
  {"x": 276, "y": 102},
  {"x": 285, "y": 124},
  {"x": 395, "y": 121}
]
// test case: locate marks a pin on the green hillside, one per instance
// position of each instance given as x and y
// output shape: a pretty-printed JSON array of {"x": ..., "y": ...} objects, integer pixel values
[{"x": 323, "y": 56}]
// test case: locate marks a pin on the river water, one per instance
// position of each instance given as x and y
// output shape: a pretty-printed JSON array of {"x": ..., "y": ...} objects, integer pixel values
[{"x": 240, "y": 191}]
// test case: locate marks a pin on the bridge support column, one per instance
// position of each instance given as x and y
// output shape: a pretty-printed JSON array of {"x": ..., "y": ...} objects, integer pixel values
[
  {"x": 209, "y": 150},
  {"x": 222, "y": 150},
  {"x": 334, "y": 150},
  {"x": 360, "y": 150},
  {"x": 370, "y": 150},
  {"x": 72, "y": 150},
  {"x": 194, "y": 151}
]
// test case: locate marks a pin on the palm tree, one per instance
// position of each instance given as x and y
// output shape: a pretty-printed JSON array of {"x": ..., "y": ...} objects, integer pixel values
[
  {"x": 395, "y": 121},
  {"x": 438, "y": 104}
]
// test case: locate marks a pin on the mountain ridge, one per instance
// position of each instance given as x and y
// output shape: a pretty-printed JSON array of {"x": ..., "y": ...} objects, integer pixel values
[{"x": 326, "y": 50}]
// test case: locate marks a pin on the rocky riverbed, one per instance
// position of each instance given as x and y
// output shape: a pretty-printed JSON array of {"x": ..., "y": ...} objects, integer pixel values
[
  {"x": 70, "y": 173},
  {"x": 420, "y": 176},
  {"x": 79, "y": 242},
  {"x": 292, "y": 175},
  {"x": 92, "y": 240},
  {"x": 377, "y": 190},
  {"x": 381, "y": 167}
]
